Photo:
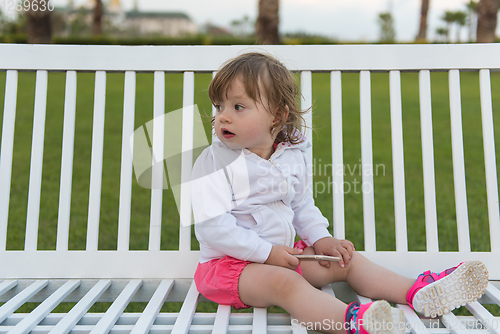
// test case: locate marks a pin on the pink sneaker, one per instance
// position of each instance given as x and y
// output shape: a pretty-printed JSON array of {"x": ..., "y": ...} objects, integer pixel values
[
  {"x": 374, "y": 318},
  {"x": 437, "y": 294}
]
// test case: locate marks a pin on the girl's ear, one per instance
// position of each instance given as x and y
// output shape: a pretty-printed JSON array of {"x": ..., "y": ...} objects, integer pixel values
[{"x": 281, "y": 115}]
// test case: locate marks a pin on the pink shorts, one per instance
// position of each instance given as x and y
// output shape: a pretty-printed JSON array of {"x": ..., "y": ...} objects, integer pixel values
[{"x": 217, "y": 279}]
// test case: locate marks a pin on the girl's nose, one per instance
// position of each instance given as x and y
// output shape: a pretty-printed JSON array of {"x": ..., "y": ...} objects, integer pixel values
[{"x": 224, "y": 116}]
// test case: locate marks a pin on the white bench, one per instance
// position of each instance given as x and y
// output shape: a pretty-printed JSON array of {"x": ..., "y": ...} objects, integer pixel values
[{"x": 156, "y": 276}]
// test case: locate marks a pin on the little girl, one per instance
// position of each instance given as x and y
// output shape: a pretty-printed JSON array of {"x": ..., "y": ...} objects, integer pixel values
[{"x": 251, "y": 192}]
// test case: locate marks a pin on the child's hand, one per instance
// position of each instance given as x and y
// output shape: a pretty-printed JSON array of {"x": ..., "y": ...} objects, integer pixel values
[
  {"x": 334, "y": 247},
  {"x": 282, "y": 256}
]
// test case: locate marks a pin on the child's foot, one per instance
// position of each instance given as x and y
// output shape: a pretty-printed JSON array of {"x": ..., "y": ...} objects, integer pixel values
[
  {"x": 437, "y": 294},
  {"x": 374, "y": 318}
]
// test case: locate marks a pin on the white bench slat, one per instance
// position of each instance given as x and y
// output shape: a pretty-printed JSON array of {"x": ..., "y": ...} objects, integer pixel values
[
  {"x": 221, "y": 322},
  {"x": 431, "y": 230},
  {"x": 484, "y": 317},
  {"x": 35, "y": 181},
  {"x": 151, "y": 311},
  {"x": 42, "y": 310},
  {"x": 7, "y": 285},
  {"x": 186, "y": 313},
  {"x": 186, "y": 161},
  {"x": 22, "y": 297},
  {"x": 305, "y": 104},
  {"x": 65, "y": 325},
  {"x": 126, "y": 162},
  {"x": 493, "y": 293},
  {"x": 328, "y": 289},
  {"x": 6, "y": 153},
  {"x": 416, "y": 325},
  {"x": 259, "y": 323},
  {"x": 458, "y": 162},
  {"x": 398, "y": 161},
  {"x": 452, "y": 324},
  {"x": 157, "y": 172},
  {"x": 367, "y": 161},
  {"x": 363, "y": 299},
  {"x": 63, "y": 215},
  {"x": 96, "y": 162},
  {"x": 337, "y": 154},
  {"x": 489, "y": 159},
  {"x": 116, "y": 309}
]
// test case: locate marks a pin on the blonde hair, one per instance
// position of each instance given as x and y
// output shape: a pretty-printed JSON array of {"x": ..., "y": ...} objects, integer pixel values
[{"x": 263, "y": 75}]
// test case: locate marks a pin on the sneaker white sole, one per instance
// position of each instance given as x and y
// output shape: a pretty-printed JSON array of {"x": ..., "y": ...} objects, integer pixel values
[
  {"x": 463, "y": 286},
  {"x": 381, "y": 318}
]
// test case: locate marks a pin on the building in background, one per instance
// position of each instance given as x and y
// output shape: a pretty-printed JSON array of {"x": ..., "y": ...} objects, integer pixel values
[{"x": 76, "y": 20}]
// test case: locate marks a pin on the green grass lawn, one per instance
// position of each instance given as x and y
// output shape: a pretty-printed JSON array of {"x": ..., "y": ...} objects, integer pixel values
[{"x": 140, "y": 210}]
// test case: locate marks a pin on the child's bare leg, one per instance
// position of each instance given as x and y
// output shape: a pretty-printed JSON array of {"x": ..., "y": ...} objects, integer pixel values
[
  {"x": 262, "y": 285},
  {"x": 365, "y": 278}
]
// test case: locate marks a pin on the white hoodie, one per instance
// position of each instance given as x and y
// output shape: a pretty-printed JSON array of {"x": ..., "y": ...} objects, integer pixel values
[{"x": 243, "y": 204}]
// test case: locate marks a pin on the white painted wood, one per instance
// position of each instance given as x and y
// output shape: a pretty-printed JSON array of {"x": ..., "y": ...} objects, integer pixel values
[
  {"x": 493, "y": 293},
  {"x": 306, "y": 104},
  {"x": 6, "y": 153},
  {"x": 7, "y": 285},
  {"x": 452, "y": 323},
  {"x": 158, "y": 171},
  {"x": 489, "y": 159},
  {"x": 428, "y": 161},
  {"x": 78, "y": 311},
  {"x": 186, "y": 313},
  {"x": 187, "y": 162},
  {"x": 35, "y": 183},
  {"x": 337, "y": 155},
  {"x": 116, "y": 309},
  {"x": 42, "y": 310},
  {"x": 66, "y": 162},
  {"x": 259, "y": 324},
  {"x": 65, "y": 325},
  {"x": 458, "y": 162},
  {"x": 126, "y": 162},
  {"x": 367, "y": 161},
  {"x": 485, "y": 317},
  {"x": 151, "y": 311},
  {"x": 398, "y": 161},
  {"x": 305, "y": 57},
  {"x": 22, "y": 297},
  {"x": 221, "y": 322},
  {"x": 96, "y": 164},
  {"x": 414, "y": 323}
]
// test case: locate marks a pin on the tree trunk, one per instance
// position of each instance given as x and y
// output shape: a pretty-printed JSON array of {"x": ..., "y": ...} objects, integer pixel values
[
  {"x": 266, "y": 26},
  {"x": 97, "y": 18},
  {"x": 422, "y": 31},
  {"x": 39, "y": 27},
  {"x": 487, "y": 11}
]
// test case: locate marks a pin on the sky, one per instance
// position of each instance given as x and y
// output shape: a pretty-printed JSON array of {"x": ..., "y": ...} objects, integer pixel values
[{"x": 345, "y": 20}]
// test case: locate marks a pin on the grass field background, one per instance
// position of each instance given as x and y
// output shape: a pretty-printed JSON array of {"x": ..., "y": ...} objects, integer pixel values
[{"x": 140, "y": 210}]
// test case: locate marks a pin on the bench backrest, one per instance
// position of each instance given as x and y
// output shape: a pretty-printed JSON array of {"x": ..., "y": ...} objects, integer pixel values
[{"x": 338, "y": 62}]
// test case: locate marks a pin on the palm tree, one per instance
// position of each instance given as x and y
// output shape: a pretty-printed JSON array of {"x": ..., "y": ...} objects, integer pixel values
[
  {"x": 449, "y": 18},
  {"x": 442, "y": 33},
  {"x": 386, "y": 23},
  {"x": 97, "y": 18},
  {"x": 460, "y": 20},
  {"x": 39, "y": 26},
  {"x": 471, "y": 17},
  {"x": 422, "y": 31},
  {"x": 266, "y": 26},
  {"x": 487, "y": 11}
]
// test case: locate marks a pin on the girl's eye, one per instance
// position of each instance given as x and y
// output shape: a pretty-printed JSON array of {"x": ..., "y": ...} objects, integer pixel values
[
  {"x": 217, "y": 107},
  {"x": 238, "y": 107}
]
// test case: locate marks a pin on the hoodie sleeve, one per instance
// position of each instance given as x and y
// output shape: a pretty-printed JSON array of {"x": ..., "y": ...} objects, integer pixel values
[
  {"x": 215, "y": 226},
  {"x": 308, "y": 220}
]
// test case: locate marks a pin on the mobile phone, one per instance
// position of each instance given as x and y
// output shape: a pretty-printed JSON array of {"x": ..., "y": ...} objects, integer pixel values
[{"x": 318, "y": 258}]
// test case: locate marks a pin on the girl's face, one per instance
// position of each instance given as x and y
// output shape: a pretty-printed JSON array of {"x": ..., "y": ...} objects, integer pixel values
[{"x": 241, "y": 122}]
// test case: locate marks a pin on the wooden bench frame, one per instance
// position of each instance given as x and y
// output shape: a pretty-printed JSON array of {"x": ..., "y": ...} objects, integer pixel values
[{"x": 122, "y": 276}]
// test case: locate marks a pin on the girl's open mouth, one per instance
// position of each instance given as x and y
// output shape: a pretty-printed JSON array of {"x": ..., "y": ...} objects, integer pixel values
[{"x": 227, "y": 134}]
